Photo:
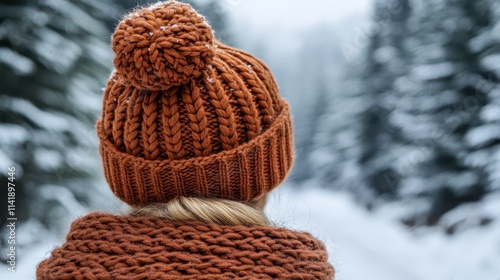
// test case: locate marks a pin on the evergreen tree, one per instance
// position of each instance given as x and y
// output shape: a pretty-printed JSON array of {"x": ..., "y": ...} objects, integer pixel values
[
  {"x": 386, "y": 59},
  {"x": 441, "y": 99},
  {"x": 429, "y": 96},
  {"x": 484, "y": 140},
  {"x": 54, "y": 59}
]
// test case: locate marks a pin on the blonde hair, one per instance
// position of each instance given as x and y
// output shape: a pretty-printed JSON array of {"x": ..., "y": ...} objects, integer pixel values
[{"x": 210, "y": 210}]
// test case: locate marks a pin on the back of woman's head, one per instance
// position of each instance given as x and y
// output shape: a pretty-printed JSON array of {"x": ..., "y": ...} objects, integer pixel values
[
  {"x": 193, "y": 136},
  {"x": 188, "y": 122}
]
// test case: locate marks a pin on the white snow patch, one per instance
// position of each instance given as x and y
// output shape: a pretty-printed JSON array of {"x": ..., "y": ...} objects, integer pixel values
[
  {"x": 5, "y": 161},
  {"x": 12, "y": 134},
  {"x": 462, "y": 182},
  {"x": 469, "y": 215},
  {"x": 19, "y": 63},
  {"x": 433, "y": 71},
  {"x": 30, "y": 256},
  {"x": 47, "y": 120},
  {"x": 491, "y": 62},
  {"x": 481, "y": 136},
  {"x": 480, "y": 158},
  {"x": 84, "y": 94},
  {"x": 64, "y": 196},
  {"x": 491, "y": 113},
  {"x": 485, "y": 39},
  {"x": 47, "y": 159},
  {"x": 370, "y": 245},
  {"x": 55, "y": 51},
  {"x": 385, "y": 54}
]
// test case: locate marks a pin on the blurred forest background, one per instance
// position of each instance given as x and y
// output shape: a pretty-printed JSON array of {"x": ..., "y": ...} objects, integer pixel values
[{"x": 407, "y": 114}]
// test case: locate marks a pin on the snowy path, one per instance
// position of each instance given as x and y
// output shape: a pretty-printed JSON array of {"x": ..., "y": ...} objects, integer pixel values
[
  {"x": 366, "y": 245},
  {"x": 352, "y": 236}
]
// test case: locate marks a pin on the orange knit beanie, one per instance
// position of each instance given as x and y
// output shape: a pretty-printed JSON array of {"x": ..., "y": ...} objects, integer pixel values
[{"x": 185, "y": 115}]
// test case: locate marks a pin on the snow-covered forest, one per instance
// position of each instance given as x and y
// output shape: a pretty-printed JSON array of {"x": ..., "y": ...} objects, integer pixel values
[{"x": 396, "y": 116}]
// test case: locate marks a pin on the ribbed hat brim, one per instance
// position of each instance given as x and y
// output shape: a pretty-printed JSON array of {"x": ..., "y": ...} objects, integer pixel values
[{"x": 242, "y": 174}]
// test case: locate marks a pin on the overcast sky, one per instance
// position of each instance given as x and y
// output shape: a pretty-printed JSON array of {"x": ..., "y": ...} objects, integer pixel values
[{"x": 292, "y": 14}]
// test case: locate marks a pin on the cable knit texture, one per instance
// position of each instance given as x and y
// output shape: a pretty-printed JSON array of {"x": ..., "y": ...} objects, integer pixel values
[
  {"x": 184, "y": 114},
  {"x": 104, "y": 246}
]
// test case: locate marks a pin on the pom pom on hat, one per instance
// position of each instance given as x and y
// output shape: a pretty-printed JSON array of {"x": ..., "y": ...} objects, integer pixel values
[{"x": 162, "y": 46}]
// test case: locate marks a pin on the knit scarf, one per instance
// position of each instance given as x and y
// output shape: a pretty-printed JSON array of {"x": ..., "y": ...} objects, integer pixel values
[{"x": 105, "y": 246}]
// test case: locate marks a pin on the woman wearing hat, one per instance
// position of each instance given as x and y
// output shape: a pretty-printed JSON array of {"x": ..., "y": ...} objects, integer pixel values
[{"x": 193, "y": 136}]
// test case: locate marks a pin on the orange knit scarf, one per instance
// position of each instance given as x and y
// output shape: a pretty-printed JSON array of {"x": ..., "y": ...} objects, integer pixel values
[{"x": 104, "y": 246}]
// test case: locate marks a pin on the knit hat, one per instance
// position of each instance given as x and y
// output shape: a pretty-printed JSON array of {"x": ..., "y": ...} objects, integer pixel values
[{"x": 185, "y": 115}]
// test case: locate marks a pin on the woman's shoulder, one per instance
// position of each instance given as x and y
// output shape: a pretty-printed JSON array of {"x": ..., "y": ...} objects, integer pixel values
[{"x": 108, "y": 246}]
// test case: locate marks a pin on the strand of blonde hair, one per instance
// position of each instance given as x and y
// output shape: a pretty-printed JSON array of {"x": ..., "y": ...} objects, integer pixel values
[{"x": 210, "y": 210}]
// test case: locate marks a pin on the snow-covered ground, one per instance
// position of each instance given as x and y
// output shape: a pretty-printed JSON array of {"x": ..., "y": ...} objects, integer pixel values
[
  {"x": 372, "y": 245},
  {"x": 363, "y": 245}
]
